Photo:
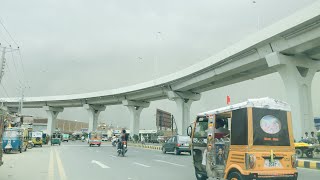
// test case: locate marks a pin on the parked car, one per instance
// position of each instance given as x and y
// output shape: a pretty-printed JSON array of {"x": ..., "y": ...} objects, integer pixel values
[{"x": 177, "y": 144}]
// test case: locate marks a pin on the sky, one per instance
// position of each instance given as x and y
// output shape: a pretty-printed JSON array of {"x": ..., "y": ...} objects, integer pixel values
[{"x": 80, "y": 46}]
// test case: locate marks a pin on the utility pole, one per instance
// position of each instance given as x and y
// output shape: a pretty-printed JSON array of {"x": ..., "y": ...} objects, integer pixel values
[
  {"x": 22, "y": 98},
  {"x": 3, "y": 63}
]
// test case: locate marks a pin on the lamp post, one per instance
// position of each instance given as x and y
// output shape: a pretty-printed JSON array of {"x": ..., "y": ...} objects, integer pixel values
[{"x": 258, "y": 14}]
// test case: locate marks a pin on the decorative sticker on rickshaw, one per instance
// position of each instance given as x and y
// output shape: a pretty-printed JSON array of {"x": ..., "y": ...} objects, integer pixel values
[
  {"x": 220, "y": 154},
  {"x": 270, "y": 124}
]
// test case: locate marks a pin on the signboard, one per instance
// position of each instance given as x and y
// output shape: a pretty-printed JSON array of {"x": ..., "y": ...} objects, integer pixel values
[
  {"x": 163, "y": 119},
  {"x": 36, "y": 134}
]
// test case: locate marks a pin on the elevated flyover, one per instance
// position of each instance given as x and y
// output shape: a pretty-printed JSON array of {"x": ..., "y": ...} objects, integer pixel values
[{"x": 290, "y": 47}]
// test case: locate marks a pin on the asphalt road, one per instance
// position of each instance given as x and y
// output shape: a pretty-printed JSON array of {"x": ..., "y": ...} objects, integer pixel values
[{"x": 78, "y": 161}]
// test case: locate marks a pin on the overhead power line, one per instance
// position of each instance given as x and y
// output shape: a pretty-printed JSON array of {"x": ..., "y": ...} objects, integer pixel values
[
  {"x": 4, "y": 27},
  {"x": 4, "y": 89},
  {"x": 3, "y": 37}
]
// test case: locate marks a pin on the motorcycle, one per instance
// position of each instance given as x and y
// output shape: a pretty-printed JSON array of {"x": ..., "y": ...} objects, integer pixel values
[
  {"x": 122, "y": 148},
  {"x": 30, "y": 145}
]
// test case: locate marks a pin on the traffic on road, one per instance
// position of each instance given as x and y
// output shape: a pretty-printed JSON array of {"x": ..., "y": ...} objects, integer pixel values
[{"x": 249, "y": 140}]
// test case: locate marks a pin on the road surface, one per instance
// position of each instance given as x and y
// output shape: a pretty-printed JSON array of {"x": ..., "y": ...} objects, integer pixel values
[{"x": 78, "y": 161}]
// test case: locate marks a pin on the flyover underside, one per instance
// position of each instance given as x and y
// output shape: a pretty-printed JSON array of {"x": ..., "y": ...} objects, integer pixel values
[
  {"x": 243, "y": 61},
  {"x": 153, "y": 94}
]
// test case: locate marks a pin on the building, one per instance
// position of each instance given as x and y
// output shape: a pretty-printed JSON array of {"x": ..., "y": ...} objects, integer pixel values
[{"x": 66, "y": 126}]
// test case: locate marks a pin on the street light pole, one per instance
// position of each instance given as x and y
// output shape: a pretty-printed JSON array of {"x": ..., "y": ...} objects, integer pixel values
[
  {"x": 258, "y": 14},
  {"x": 155, "y": 62}
]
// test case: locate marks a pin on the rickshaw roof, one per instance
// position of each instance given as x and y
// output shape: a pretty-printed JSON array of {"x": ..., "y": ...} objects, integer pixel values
[{"x": 265, "y": 103}]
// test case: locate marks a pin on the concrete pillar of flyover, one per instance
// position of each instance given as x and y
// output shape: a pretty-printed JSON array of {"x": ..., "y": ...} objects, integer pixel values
[
  {"x": 297, "y": 73},
  {"x": 93, "y": 112},
  {"x": 52, "y": 114},
  {"x": 135, "y": 108},
  {"x": 183, "y": 101}
]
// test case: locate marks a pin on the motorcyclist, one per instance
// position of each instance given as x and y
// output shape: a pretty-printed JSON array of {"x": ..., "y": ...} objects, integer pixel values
[
  {"x": 82, "y": 138},
  {"x": 123, "y": 137}
]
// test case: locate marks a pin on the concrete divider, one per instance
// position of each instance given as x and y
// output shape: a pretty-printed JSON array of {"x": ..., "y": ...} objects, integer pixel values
[{"x": 309, "y": 164}]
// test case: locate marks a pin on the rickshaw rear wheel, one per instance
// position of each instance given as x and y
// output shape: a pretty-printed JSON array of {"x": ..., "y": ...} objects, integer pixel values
[
  {"x": 235, "y": 176},
  {"x": 299, "y": 153}
]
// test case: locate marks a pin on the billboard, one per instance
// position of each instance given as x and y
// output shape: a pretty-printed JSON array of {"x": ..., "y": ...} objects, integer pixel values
[{"x": 163, "y": 119}]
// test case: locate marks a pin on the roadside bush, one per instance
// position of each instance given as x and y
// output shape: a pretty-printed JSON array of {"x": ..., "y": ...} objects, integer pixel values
[{"x": 135, "y": 138}]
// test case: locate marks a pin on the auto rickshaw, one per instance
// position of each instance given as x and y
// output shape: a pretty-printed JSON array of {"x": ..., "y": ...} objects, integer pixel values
[
  {"x": 56, "y": 138},
  {"x": 12, "y": 140},
  {"x": 249, "y": 140},
  {"x": 45, "y": 138},
  {"x": 65, "y": 137},
  {"x": 95, "y": 138},
  {"x": 37, "y": 138}
]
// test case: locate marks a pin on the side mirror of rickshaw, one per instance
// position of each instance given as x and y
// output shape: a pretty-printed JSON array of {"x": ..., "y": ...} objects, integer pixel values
[{"x": 189, "y": 131}]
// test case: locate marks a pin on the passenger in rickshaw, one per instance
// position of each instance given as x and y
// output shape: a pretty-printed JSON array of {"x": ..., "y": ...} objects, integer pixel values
[{"x": 221, "y": 128}]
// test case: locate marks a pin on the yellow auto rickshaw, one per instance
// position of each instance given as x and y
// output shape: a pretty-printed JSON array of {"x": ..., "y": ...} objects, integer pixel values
[
  {"x": 37, "y": 138},
  {"x": 249, "y": 140}
]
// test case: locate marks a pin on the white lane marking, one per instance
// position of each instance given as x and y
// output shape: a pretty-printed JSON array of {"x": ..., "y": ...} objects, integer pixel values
[
  {"x": 51, "y": 167},
  {"x": 162, "y": 156},
  {"x": 169, "y": 163},
  {"x": 100, "y": 164},
  {"x": 143, "y": 165},
  {"x": 60, "y": 166},
  {"x": 113, "y": 156}
]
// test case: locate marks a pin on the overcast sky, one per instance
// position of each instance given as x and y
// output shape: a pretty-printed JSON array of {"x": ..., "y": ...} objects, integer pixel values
[{"x": 79, "y": 46}]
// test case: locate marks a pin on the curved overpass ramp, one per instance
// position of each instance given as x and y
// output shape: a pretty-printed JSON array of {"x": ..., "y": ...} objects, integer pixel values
[{"x": 290, "y": 47}]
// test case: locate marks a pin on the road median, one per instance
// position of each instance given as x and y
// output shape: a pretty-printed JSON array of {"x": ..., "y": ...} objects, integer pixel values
[
  {"x": 309, "y": 164},
  {"x": 145, "y": 146}
]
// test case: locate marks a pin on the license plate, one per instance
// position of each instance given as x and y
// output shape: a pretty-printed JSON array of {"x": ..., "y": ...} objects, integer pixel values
[
  {"x": 275, "y": 163},
  {"x": 186, "y": 144}
]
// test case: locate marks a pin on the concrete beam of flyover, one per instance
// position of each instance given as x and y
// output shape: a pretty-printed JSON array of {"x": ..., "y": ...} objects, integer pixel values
[{"x": 295, "y": 35}]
